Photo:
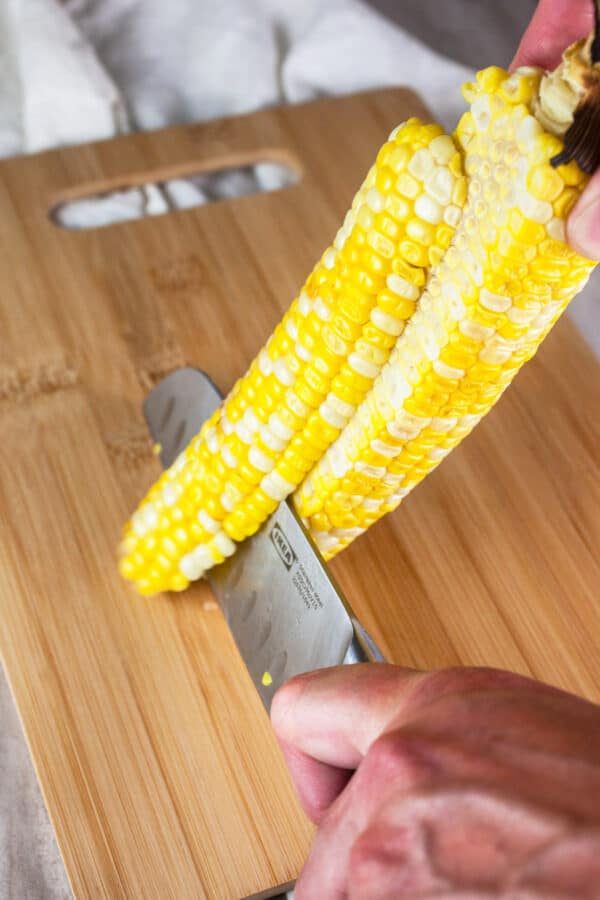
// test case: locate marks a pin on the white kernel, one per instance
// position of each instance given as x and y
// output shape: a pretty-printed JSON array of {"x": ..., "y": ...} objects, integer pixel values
[
  {"x": 394, "y": 133},
  {"x": 251, "y": 420},
  {"x": 376, "y": 472},
  {"x": 446, "y": 371},
  {"x": 329, "y": 258},
  {"x": 372, "y": 504},
  {"x": 428, "y": 209},
  {"x": 439, "y": 452},
  {"x": 265, "y": 364},
  {"x": 291, "y": 328},
  {"x": 385, "y": 449},
  {"x": 244, "y": 434},
  {"x": 149, "y": 516},
  {"x": 224, "y": 544},
  {"x": 170, "y": 493},
  {"x": 226, "y": 425},
  {"x": 470, "y": 420},
  {"x": 279, "y": 429},
  {"x": 341, "y": 406},
  {"x": 304, "y": 304},
  {"x": 229, "y": 457},
  {"x": 375, "y": 200},
  {"x": 453, "y": 300},
  {"x": 494, "y": 302},
  {"x": 528, "y": 131},
  {"x": 421, "y": 164},
  {"x": 283, "y": 373},
  {"x": 402, "y": 287},
  {"x": 331, "y": 416},
  {"x": 474, "y": 330},
  {"x": 178, "y": 465},
  {"x": 439, "y": 185},
  {"x": 138, "y": 525},
  {"x": 348, "y": 534},
  {"x": 211, "y": 439},
  {"x": 208, "y": 523},
  {"x": 395, "y": 498},
  {"x": 272, "y": 441},
  {"x": 397, "y": 386},
  {"x": 203, "y": 557},
  {"x": 443, "y": 149},
  {"x": 276, "y": 487},
  {"x": 325, "y": 541},
  {"x": 302, "y": 353},
  {"x": 493, "y": 355},
  {"x": 385, "y": 322},
  {"x": 481, "y": 113},
  {"x": 452, "y": 215},
  {"x": 523, "y": 316},
  {"x": 322, "y": 310},
  {"x": 191, "y": 566},
  {"x": 227, "y": 502},
  {"x": 296, "y": 405},
  {"x": 362, "y": 366},
  {"x": 260, "y": 460},
  {"x": 556, "y": 229},
  {"x": 339, "y": 462},
  {"x": 539, "y": 211},
  {"x": 443, "y": 424}
]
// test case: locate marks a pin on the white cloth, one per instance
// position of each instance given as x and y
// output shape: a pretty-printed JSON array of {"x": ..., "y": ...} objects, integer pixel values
[
  {"x": 84, "y": 70},
  {"x": 120, "y": 64}
]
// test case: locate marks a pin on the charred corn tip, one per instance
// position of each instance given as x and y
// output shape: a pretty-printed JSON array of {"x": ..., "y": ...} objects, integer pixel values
[{"x": 447, "y": 272}]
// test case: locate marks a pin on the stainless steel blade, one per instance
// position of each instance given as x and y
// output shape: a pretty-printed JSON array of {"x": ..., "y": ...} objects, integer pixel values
[{"x": 284, "y": 609}]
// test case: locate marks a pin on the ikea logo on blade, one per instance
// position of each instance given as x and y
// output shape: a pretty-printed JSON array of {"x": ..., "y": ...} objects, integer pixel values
[{"x": 282, "y": 545}]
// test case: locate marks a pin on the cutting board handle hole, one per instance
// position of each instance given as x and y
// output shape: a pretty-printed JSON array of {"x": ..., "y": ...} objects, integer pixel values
[{"x": 99, "y": 207}]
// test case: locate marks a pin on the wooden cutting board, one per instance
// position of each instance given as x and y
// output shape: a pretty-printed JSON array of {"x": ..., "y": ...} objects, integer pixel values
[{"x": 154, "y": 754}]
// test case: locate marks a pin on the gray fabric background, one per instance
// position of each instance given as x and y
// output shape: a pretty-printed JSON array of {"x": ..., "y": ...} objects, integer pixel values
[{"x": 476, "y": 32}]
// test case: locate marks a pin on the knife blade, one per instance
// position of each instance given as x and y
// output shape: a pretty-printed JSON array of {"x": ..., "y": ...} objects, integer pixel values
[{"x": 285, "y": 610}]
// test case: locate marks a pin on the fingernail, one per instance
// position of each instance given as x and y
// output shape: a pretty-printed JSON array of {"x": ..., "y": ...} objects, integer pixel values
[{"x": 583, "y": 228}]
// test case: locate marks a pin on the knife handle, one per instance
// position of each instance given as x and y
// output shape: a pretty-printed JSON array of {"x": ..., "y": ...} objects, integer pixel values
[{"x": 362, "y": 647}]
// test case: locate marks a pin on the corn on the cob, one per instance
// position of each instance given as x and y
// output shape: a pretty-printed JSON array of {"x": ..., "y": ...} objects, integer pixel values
[
  {"x": 496, "y": 276},
  {"x": 503, "y": 282},
  {"x": 315, "y": 370}
]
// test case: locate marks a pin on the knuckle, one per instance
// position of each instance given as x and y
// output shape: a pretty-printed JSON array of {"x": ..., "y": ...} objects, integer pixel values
[
  {"x": 465, "y": 680},
  {"x": 403, "y": 756}
]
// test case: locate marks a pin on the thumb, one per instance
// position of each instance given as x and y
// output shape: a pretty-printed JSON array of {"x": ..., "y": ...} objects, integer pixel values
[
  {"x": 334, "y": 715},
  {"x": 583, "y": 226}
]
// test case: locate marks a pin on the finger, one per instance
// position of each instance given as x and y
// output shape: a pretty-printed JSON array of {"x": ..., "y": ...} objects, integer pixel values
[
  {"x": 334, "y": 715},
  {"x": 583, "y": 226},
  {"x": 317, "y": 784},
  {"x": 447, "y": 838},
  {"x": 555, "y": 25},
  {"x": 392, "y": 766}
]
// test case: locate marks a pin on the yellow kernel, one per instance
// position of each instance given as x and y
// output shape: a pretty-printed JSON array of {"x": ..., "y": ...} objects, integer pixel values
[
  {"x": 420, "y": 231},
  {"x": 544, "y": 183},
  {"x": 407, "y": 186},
  {"x": 399, "y": 157},
  {"x": 564, "y": 204},
  {"x": 414, "y": 253},
  {"x": 397, "y": 207},
  {"x": 525, "y": 230}
]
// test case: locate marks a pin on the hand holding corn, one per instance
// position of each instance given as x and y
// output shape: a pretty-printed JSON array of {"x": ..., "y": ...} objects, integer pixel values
[{"x": 450, "y": 268}]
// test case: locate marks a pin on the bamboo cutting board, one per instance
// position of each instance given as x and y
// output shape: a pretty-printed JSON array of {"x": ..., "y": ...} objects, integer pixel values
[{"x": 154, "y": 754}]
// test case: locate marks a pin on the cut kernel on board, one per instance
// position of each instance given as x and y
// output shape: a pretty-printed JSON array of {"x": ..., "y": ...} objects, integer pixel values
[
  {"x": 313, "y": 373},
  {"x": 436, "y": 290}
]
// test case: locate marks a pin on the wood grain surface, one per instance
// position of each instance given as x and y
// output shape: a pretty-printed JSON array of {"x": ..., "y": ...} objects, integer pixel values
[{"x": 155, "y": 757}]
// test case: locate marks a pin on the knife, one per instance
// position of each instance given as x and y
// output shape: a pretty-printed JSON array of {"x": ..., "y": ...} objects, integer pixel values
[{"x": 285, "y": 610}]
